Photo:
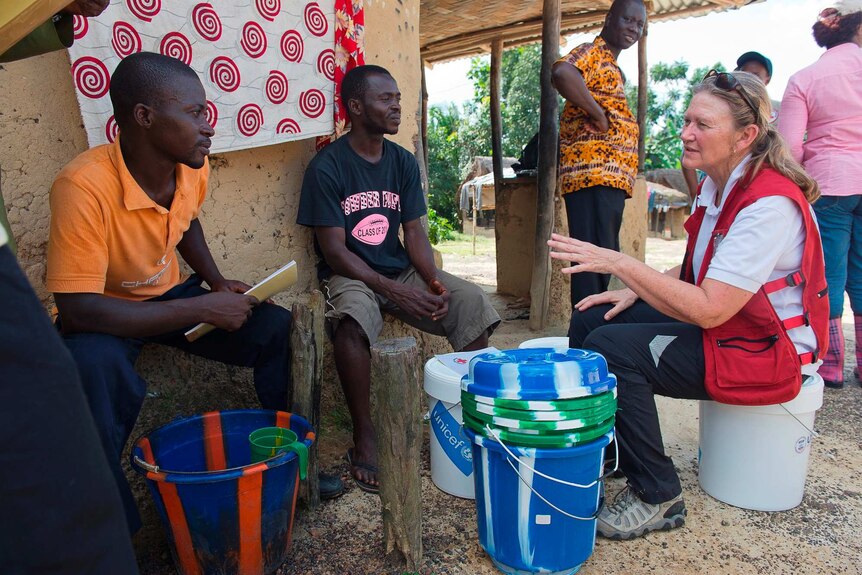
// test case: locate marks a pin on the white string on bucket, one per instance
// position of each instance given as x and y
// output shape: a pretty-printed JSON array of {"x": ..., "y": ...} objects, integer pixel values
[{"x": 496, "y": 437}]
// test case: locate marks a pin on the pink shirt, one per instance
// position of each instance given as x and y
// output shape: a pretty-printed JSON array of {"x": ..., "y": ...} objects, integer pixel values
[{"x": 825, "y": 99}]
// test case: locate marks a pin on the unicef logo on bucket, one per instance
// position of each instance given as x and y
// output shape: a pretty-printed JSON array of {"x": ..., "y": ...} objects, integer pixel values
[{"x": 447, "y": 430}]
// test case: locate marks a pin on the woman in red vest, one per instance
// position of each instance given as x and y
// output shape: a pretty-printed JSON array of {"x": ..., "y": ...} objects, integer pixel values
[{"x": 741, "y": 321}]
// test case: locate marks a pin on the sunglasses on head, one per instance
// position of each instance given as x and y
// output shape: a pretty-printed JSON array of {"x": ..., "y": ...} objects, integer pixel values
[{"x": 728, "y": 82}]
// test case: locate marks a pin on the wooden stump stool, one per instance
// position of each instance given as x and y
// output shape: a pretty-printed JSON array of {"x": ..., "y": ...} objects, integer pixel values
[
  {"x": 396, "y": 410},
  {"x": 306, "y": 347}
]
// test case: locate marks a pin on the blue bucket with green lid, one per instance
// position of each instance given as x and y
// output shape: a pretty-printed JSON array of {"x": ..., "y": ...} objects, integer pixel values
[{"x": 539, "y": 420}]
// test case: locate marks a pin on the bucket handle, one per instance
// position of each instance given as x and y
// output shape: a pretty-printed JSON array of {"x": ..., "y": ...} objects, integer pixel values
[
  {"x": 557, "y": 480},
  {"x": 156, "y": 469},
  {"x": 496, "y": 437},
  {"x": 148, "y": 466},
  {"x": 808, "y": 429}
]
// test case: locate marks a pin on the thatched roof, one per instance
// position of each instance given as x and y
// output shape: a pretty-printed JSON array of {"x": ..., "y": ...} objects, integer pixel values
[{"x": 451, "y": 29}]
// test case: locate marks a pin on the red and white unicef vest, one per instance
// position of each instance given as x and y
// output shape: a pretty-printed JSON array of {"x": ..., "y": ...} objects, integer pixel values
[{"x": 750, "y": 359}]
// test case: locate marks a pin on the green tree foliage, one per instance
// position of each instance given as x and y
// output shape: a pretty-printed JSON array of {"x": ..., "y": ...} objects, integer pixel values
[
  {"x": 446, "y": 156},
  {"x": 456, "y": 135},
  {"x": 667, "y": 99},
  {"x": 519, "y": 93}
]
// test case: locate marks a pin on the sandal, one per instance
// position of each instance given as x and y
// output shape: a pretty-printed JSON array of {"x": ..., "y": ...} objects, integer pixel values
[{"x": 363, "y": 485}]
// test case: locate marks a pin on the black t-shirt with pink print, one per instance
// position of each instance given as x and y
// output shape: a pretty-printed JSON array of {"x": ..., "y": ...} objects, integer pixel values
[{"x": 369, "y": 201}]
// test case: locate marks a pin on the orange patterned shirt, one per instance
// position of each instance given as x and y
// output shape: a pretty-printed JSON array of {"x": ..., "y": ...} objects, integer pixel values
[{"x": 592, "y": 159}]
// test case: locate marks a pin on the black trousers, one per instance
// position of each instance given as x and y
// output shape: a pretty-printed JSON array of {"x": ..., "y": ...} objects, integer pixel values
[
  {"x": 115, "y": 392},
  {"x": 595, "y": 215},
  {"x": 650, "y": 353},
  {"x": 60, "y": 511}
]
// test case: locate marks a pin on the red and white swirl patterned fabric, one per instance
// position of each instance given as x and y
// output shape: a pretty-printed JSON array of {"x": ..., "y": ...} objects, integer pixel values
[
  {"x": 349, "y": 53},
  {"x": 269, "y": 67}
]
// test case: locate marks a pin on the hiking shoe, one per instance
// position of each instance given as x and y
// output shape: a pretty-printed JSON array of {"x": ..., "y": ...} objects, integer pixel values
[{"x": 629, "y": 517}]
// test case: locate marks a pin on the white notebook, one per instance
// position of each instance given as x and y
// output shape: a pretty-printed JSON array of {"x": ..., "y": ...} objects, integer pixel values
[{"x": 276, "y": 282}]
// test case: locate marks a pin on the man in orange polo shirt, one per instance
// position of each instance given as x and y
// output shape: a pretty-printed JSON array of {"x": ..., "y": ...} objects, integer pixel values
[
  {"x": 119, "y": 215},
  {"x": 598, "y": 137}
]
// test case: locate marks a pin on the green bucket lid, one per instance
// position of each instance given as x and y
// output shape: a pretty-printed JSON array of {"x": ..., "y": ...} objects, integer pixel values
[
  {"x": 569, "y": 439},
  {"x": 576, "y": 409},
  {"x": 575, "y": 420},
  {"x": 596, "y": 413},
  {"x": 538, "y": 405}
]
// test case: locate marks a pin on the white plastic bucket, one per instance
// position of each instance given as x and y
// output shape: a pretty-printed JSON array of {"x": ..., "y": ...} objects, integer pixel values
[
  {"x": 756, "y": 457},
  {"x": 558, "y": 343},
  {"x": 451, "y": 451}
]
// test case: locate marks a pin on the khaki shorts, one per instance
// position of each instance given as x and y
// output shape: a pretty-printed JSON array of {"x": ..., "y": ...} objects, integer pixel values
[{"x": 470, "y": 311}]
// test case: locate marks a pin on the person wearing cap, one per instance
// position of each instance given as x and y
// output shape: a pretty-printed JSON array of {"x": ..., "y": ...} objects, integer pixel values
[
  {"x": 757, "y": 64},
  {"x": 753, "y": 63},
  {"x": 824, "y": 101}
]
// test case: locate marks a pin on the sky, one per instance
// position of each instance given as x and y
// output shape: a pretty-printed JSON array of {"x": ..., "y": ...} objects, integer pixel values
[{"x": 779, "y": 29}]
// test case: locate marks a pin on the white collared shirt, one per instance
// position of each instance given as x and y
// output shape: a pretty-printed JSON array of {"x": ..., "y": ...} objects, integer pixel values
[{"x": 765, "y": 242}]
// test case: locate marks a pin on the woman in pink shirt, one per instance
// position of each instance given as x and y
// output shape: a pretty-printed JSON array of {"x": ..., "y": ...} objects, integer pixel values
[{"x": 821, "y": 119}]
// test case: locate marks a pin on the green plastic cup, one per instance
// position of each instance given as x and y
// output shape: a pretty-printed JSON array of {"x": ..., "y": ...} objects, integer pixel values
[{"x": 267, "y": 442}]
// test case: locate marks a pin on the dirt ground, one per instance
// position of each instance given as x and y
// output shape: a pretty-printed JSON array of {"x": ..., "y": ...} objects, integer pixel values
[{"x": 821, "y": 536}]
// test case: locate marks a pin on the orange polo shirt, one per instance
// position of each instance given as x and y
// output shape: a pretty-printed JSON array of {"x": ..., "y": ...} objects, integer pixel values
[{"x": 108, "y": 236}]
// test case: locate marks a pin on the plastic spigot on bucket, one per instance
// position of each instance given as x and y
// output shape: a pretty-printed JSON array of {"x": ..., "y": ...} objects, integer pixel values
[{"x": 268, "y": 442}]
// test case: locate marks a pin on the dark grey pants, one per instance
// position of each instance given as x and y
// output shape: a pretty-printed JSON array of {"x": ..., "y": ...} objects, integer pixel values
[{"x": 650, "y": 353}]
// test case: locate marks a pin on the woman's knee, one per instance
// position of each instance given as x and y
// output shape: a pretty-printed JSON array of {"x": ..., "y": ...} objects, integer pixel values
[
  {"x": 601, "y": 340},
  {"x": 582, "y": 324}
]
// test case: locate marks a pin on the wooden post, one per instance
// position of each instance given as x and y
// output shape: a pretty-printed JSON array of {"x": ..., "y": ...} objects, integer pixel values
[
  {"x": 643, "y": 92},
  {"x": 475, "y": 212},
  {"x": 549, "y": 131},
  {"x": 424, "y": 125},
  {"x": 396, "y": 409},
  {"x": 496, "y": 115},
  {"x": 20, "y": 17},
  {"x": 306, "y": 348}
]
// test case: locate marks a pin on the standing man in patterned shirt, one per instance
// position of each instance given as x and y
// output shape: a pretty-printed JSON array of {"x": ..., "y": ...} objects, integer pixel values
[{"x": 598, "y": 137}]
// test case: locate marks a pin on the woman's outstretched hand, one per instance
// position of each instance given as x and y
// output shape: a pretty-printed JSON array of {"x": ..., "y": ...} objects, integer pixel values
[
  {"x": 621, "y": 300},
  {"x": 590, "y": 258}
]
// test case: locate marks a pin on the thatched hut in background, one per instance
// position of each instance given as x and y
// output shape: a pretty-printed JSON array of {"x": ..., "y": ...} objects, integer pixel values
[{"x": 478, "y": 184}]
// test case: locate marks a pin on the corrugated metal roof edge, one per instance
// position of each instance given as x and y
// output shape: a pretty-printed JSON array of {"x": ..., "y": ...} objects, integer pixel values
[{"x": 482, "y": 48}]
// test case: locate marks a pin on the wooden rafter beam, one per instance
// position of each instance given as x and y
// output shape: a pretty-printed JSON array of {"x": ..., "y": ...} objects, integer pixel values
[
  {"x": 510, "y": 34},
  {"x": 20, "y": 17}
]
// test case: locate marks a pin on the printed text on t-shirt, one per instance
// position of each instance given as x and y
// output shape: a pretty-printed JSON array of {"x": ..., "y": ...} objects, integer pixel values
[{"x": 371, "y": 199}]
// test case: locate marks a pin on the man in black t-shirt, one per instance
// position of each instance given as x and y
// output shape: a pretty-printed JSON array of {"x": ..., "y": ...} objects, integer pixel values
[{"x": 357, "y": 193}]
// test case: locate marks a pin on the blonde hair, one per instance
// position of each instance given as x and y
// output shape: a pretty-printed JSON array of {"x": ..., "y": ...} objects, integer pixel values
[{"x": 769, "y": 147}]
